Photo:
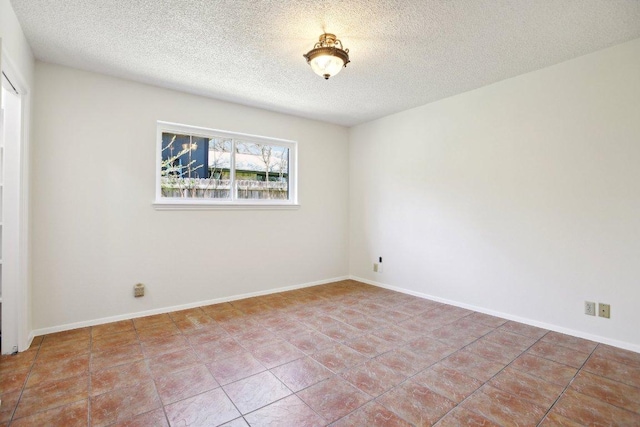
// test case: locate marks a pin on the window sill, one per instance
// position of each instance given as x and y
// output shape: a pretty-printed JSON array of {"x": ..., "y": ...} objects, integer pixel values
[{"x": 208, "y": 206}]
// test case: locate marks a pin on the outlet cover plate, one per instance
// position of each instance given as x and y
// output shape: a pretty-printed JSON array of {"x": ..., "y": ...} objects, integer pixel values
[
  {"x": 138, "y": 290},
  {"x": 590, "y": 308},
  {"x": 604, "y": 310}
]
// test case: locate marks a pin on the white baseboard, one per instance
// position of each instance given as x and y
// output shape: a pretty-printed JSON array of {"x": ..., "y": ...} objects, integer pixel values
[
  {"x": 100, "y": 321},
  {"x": 127, "y": 316},
  {"x": 579, "y": 334},
  {"x": 29, "y": 341}
]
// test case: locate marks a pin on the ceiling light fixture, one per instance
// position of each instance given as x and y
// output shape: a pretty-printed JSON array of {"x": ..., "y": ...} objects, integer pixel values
[{"x": 328, "y": 56}]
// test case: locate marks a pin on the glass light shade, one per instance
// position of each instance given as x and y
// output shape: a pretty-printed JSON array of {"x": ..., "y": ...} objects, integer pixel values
[
  {"x": 326, "y": 65},
  {"x": 328, "y": 56}
]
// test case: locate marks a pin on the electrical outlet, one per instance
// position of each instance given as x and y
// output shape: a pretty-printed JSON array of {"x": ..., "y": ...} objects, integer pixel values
[
  {"x": 590, "y": 308},
  {"x": 378, "y": 265},
  {"x": 138, "y": 290},
  {"x": 604, "y": 310}
]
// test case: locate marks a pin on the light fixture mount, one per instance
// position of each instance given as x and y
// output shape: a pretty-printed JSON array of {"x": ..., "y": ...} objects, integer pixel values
[{"x": 328, "y": 56}]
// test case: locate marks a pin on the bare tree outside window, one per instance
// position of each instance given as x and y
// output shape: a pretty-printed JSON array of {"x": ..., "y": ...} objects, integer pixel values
[
  {"x": 219, "y": 168},
  {"x": 262, "y": 171},
  {"x": 183, "y": 172}
]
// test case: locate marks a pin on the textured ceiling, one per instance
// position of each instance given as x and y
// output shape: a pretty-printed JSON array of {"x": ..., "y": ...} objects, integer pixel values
[{"x": 403, "y": 53}]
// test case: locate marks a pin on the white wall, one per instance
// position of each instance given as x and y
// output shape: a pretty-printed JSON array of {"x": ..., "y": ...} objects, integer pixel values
[
  {"x": 96, "y": 233},
  {"x": 521, "y": 198}
]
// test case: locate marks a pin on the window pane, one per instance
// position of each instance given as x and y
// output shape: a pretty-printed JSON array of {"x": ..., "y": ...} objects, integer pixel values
[
  {"x": 262, "y": 171},
  {"x": 195, "y": 167}
]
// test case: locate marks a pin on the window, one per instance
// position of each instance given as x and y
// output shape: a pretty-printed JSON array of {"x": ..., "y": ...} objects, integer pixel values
[{"x": 202, "y": 168}]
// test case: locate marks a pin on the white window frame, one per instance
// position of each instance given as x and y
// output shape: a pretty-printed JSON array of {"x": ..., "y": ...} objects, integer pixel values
[{"x": 179, "y": 203}]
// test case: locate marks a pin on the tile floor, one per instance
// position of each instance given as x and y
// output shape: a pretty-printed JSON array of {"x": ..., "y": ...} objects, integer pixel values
[{"x": 343, "y": 354}]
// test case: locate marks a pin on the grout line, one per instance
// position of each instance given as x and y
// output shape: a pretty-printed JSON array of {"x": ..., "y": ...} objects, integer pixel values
[
  {"x": 89, "y": 374},
  {"x": 24, "y": 385},
  {"x": 155, "y": 387},
  {"x": 321, "y": 308},
  {"x": 459, "y": 349},
  {"x": 493, "y": 329},
  {"x": 403, "y": 345},
  {"x": 487, "y": 381},
  {"x": 568, "y": 384}
]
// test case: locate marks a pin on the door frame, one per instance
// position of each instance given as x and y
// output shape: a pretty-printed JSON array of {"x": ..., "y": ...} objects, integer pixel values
[{"x": 19, "y": 298}]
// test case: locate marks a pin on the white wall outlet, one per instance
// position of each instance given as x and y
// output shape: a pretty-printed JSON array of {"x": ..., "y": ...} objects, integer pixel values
[
  {"x": 590, "y": 308},
  {"x": 377, "y": 265}
]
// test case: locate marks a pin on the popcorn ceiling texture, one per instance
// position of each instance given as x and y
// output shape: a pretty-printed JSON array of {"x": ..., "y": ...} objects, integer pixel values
[{"x": 404, "y": 53}]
